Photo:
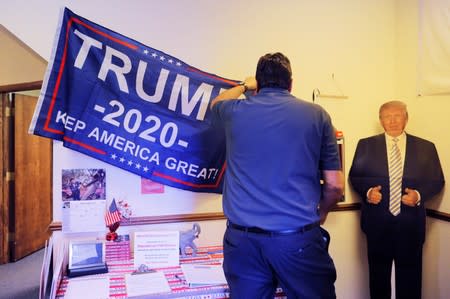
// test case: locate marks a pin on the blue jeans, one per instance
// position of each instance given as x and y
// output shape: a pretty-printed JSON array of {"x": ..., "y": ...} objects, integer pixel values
[{"x": 256, "y": 264}]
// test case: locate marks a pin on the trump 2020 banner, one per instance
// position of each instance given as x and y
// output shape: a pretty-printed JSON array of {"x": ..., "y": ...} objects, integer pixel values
[{"x": 132, "y": 106}]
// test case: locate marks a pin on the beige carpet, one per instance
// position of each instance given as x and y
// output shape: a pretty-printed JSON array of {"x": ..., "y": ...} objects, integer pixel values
[{"x": 20, "y": 280}]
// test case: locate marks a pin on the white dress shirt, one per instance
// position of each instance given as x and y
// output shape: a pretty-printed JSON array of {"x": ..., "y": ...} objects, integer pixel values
[{"x": 401, "y": 143}]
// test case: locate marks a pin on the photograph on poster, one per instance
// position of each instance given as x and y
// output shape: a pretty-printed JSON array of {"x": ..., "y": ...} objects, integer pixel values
[
  {"x": 151, "y": 187},
  {"x": 83, "y": 184},
  {"x": 137, "y": 199}
]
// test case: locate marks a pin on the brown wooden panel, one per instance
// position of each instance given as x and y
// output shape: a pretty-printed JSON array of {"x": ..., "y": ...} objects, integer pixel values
[
  {"x": 33, "y": 182},
  {"x": 21, "y": 87},
  {"x": 4, "y": 200}
]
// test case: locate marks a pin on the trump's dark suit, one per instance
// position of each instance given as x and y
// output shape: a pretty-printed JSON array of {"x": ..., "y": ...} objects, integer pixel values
[{"x": 399, "y": 238}]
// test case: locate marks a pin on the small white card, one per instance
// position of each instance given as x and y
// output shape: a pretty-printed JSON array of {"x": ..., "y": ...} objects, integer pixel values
[
  {"x": 83, "y": 216},
  {"x": 98, "y": 288},
  {"x": 199, "y": 274},
  {"x": 146, "y": 283},
  {"x": 156, "y": 249}
]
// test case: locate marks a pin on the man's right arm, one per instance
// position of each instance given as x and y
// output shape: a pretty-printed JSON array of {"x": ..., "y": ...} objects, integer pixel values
[
  {"x": 235, "y": 92},
  {"x": 332, "y": 191}
]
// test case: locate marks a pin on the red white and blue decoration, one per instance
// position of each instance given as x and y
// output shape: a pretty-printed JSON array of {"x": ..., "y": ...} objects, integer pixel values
[{"x": 132, "y": 106}]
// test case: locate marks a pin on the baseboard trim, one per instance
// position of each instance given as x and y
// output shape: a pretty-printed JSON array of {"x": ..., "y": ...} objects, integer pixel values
[
  {"x": 57, "y": 225},
  {"x": 438, "y": 215}
]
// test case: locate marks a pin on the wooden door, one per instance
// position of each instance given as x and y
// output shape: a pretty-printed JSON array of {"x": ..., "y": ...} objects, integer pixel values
[
  {"x": 4, "y": 190},
  {"x": 32, "y": 183}
]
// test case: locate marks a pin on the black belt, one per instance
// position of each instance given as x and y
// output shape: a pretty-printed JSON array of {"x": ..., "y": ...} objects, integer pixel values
[{"x": 258, "y": 230}]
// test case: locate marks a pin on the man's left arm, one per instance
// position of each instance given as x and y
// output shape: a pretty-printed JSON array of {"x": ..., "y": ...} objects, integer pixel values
[
  {"x": 332, "y": 192},
  {"x": 425, "y": 178}
]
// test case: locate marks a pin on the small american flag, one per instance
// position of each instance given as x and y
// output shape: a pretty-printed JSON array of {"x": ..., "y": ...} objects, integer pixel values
[{"x": 112, "y": 215}]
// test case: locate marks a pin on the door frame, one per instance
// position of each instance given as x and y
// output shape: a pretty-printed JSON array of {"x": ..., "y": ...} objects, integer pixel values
[{"x": 7, "y": 165}]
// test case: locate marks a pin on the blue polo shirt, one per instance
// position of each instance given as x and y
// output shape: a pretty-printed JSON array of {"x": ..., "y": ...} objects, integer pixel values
[{"x": 277, "y": 146}]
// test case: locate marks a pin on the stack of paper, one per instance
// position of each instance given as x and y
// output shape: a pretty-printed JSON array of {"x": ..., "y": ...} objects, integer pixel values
[
  {"x": 196, "y": 274},
  {"x": 141, "y": 284},
  {"x": 92, "y": 287}
]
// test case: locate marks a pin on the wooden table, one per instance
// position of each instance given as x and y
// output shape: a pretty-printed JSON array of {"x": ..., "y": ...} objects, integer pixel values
[{"x": 120, "y": 263}]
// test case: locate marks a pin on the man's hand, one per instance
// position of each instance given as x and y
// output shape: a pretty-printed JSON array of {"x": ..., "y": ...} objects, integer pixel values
[
  {"x": 251, "y": 83},
  {"x": 374, "y": 195},
  {"x": 411, "y": 198},
  {"x": 332, "y": 191},
  {"x": 235, "y": 92}
]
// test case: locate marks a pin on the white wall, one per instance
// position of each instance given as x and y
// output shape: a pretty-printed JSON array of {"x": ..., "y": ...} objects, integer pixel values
[
  {"x": 428, "y": 114},
  {"x": 436, "y": 261},
  {"x": 369, "y": 47},
  {"x": 429, "y": 119}
]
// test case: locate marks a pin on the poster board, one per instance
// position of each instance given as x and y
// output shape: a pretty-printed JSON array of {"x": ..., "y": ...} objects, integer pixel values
[{"x": 144, "y": 199}]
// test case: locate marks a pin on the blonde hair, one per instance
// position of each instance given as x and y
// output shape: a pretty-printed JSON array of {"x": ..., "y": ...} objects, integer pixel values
[{"x": 393, "y": 103}]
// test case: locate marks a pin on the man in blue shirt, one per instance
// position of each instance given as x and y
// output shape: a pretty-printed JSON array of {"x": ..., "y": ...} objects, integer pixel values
[{"x": 279, "y": 148}]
